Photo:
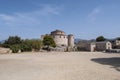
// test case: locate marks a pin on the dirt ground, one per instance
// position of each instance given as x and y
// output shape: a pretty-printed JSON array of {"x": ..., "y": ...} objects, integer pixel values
[{"x": 60, "y": 66}]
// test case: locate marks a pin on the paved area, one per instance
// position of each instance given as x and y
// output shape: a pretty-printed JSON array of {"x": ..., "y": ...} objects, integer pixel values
[{"x": 60, "y": 66}]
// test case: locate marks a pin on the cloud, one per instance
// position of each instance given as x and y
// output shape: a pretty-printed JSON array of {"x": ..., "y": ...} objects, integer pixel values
[
  {"x": 48, "y": 9},
  {"x": 6, "y": 17},
  {"x": 29, "y": 18},
  {"x": 92, "y": 16}
]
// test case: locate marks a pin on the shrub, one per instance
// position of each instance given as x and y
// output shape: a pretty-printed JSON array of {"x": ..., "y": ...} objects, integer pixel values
[
  {"x": 32, "y": 44},
  {"x": 15, "y": 48},
  {"x": 24, "y": 47},
  {"x": 15, "y": 43}
]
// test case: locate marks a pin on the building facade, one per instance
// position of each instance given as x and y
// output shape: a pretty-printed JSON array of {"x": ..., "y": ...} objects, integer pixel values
[
  {"x": 95, "y": 46},
  {"x": 101, "y": 46},
  {"x": 115, "y": 43},
  {"x": 91, "y": 47}
]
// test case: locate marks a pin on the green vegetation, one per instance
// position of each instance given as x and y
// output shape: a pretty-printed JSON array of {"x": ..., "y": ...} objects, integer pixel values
[
  {"x": 100, "y": 38},
  {"x": 35, "y": 44},
  {"x": 15, "y": 48},
  {"x": 13, "y": 40},
  {"x": 48, "y": 41},
  {"x": 15, "y": 43}
]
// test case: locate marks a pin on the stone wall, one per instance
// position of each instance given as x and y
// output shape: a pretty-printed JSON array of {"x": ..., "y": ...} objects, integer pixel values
[{"x": 61, "y": 40}]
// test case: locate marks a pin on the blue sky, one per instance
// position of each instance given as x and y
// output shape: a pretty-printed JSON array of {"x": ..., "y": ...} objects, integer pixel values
[{"x": 86, "y": 19}]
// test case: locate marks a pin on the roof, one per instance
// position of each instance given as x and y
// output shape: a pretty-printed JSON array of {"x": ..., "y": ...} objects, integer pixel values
[
  {"x": 58, "y": 30},
  {"x": 102, "y": 42}
]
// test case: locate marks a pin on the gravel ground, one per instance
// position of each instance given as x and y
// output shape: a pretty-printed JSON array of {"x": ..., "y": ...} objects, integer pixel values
[{"x": 60, "y": 66}]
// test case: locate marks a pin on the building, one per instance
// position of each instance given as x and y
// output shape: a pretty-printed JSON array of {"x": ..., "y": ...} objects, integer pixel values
[
  {"x": 104, "y": 45},
  {"x": 115, "y": 43},
  {"x": 61, "y": 39},
  {"x": 91, "y": 47},
  {"x": 86, "y": 45},
  {"x": 95, "y": 46}
]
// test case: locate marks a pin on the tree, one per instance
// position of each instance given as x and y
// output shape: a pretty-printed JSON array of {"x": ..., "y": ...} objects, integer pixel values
[
  {"x": 13, "y": 40},
  {"x": 48, "y": 41},
  {"x": 100, "y": 38},
  {"x": 33, "y": 43},
  {"x": 15, "y": 43},
  {"x": 36, "y": 44}
]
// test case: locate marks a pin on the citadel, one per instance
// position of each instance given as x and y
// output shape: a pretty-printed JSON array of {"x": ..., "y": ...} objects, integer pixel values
[
  {"x": 66, "y": 42},
  {"x": 61, "y": 39}
]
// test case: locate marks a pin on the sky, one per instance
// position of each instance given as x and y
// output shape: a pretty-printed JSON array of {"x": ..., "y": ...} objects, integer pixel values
[{"x": 86, "y": 19}]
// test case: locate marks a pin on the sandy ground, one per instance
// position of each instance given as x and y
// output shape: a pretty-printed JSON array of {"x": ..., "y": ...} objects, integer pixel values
[{"x": 60, "y": 66}]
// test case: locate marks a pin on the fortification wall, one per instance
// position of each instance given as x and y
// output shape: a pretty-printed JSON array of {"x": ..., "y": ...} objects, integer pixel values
[{"x": 61, "y": 40}]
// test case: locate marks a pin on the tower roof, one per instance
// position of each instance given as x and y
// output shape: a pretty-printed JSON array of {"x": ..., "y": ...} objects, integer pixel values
[{"x": 58, "y": 32}]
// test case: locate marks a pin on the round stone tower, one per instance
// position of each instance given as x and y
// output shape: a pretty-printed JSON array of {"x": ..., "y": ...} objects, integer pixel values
[
  {"x": 71, "y": 40},
  {"x": 60, "y": 38}
]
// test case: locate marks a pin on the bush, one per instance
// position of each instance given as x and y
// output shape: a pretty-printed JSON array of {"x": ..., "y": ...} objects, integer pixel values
[
  {"x": 15, "y": 48},
  {"x": 24, "y": 47},
  {"x": 15, "y": 43},
  {"x": 5, "y": 45},
  {"x": 33, "y": 44}
]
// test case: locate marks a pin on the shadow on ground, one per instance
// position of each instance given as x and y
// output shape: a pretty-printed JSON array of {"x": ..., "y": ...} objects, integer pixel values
[{"x": 114, "y": 62}]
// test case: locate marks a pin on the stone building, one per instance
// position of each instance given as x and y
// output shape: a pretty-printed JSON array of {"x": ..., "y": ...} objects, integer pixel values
[
  {"x": 95, "y": 46},
  {"x": 91, "y": 47},
  {"x": 86, "y": 46},
  {"x": 115, "y": 43},
  {"x": 104, "y": 45},
  {"x": 61, "y": 39}
]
